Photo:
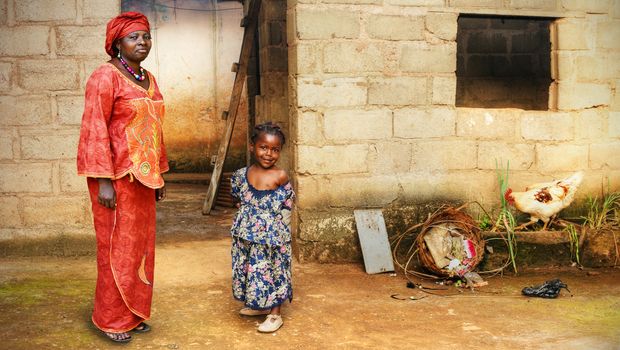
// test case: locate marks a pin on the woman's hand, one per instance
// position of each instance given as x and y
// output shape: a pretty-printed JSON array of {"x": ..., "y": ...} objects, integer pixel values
[
  {"x": 160, "y": 193},
  {"x": 107, "y": 194}
]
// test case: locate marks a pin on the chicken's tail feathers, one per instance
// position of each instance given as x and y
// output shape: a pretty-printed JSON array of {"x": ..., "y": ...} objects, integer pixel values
[{"x": 574, "y": 180}]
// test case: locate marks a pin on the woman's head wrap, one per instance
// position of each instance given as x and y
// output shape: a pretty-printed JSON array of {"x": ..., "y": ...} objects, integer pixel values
[{"x": 122, "y": 25}]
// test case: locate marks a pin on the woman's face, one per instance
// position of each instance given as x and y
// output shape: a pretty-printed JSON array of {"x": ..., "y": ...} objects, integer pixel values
[{"x": 136, "y": 46}]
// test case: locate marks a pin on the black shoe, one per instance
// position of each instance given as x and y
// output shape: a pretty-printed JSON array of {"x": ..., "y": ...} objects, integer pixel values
[{"x": 549, "y": 289}]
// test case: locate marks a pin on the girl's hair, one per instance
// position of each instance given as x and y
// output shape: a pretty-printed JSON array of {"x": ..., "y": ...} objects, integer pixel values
[{"x": 267, "y": 128}]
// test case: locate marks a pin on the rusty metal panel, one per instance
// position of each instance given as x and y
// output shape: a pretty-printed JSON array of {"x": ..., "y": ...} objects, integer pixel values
[{"x": 374, "y": 240}]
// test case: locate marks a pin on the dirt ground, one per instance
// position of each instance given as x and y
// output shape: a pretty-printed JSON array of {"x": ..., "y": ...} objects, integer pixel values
[{"x": 45, "y": 303}]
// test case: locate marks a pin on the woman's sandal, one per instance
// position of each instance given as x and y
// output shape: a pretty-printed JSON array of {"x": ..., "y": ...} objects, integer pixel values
[
  {"x": 118, "y": 337},
  {"x": 142, "y": 328}
]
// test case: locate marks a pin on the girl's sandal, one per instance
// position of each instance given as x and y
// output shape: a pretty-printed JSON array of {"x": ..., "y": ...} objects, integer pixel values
[
  {"x": 118, "y": 337},
  {"x": 142, "y": 328}
]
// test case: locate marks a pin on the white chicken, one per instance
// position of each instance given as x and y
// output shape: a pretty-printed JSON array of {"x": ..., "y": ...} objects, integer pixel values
[{"x": 544, "y": 200}]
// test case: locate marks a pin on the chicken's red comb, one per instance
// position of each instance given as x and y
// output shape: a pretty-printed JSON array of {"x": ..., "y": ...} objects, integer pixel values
[{"x": 507, "y": 195}]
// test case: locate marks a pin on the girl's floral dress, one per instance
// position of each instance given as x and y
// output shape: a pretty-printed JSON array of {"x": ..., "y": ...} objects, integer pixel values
[{"x": 261, "y": 243}]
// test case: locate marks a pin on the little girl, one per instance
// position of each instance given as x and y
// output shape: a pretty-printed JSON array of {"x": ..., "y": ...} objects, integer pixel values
[{"x": 261, "y": 235}]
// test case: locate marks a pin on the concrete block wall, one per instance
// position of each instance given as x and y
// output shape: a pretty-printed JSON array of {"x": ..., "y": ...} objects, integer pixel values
[
  {"x": 47, "y": 53},
  {"x": 372, "y": 90}
]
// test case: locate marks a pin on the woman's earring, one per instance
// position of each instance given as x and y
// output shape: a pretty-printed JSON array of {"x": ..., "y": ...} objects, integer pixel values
[{"x": 119, "y": 54}]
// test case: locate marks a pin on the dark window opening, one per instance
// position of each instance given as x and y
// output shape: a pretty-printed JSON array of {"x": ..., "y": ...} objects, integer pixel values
[{"x": 503, "y": 62}]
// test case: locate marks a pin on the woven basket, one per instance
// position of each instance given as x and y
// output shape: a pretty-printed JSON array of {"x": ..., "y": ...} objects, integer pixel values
[{"x": 463, "y": 224}]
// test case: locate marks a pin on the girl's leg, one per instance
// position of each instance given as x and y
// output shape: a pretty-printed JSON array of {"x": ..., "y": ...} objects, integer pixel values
[{"x": 275, "y": 310}]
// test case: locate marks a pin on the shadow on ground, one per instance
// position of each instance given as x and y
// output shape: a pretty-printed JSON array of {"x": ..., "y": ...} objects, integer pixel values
[{"x": 45, "y": 302}]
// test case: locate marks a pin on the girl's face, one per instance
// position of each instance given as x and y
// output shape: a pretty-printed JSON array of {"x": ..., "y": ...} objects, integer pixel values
[
  {"x": 136, "y": 46},
  {"x": 266, "y": 150}
]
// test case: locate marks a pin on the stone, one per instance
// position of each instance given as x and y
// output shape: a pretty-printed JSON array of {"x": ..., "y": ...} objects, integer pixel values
[
  {"x": 303, "y": 58},
  {"x": 5, "y": 75},
  {"x": 390, "y": 157},
  {"x": 607, "y": 34},
  {"x": 52, "y": 75},
  {"x": 397, "y": 91},
  {"x": 26, "y": 177},
  {"x": 588, "y": 6},
  {"x": 97, "y": 9},
  {"x": 546, "y": 5},
  {"x": 69, "y": 179},
  {"x": 339, "y": 159},
  {"x": 343, "y": 125},
  {"x": 614, "y": 124},
  {"x": 352, "y": 57},
  {"x": 436, "y": 3},
  {"x": 6, "y": 145},
  {"x": 486, "y": 123},
  {"x": 491, "y": 154},
  {"x": 71, "y": 40},
  {"x": 424, "y": 123},
  {"x": 601, "y": 67},
  {"x": 361, "y": 191},
  {"x": 50, "y": 147},
  {"x": 45, "y": 10},
  {"x": 591, "y": 124},
  {"x": 9, "y": 212},
  {"x": 605, "y": 155},
  {"x": 24, "y": 41},
  {"x": 444, "y": 90},
  {"x": 388, "y": 27},
  {"x": 563, "y": 157},
  {"x": 477, "y": 3},
  {"x": 573, "y": 34},
  {"x": 56, "y": 210},
  {"x": 333, "y": 24},
  {"x": 548, "y": 126},
  {"x": 25, "y": 110},
  {"x": 334, "y": 92}
]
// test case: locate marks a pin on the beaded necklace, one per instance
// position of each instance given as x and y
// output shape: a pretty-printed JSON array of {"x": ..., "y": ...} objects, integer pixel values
[{"x": 138, "y": 77}]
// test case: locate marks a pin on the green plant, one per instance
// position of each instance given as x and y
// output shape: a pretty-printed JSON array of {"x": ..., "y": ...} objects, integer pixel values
[
  {"x": 505, "y": 217},
  {"x": 573, "y": 238},
  {"x": 604, "y": 213}
]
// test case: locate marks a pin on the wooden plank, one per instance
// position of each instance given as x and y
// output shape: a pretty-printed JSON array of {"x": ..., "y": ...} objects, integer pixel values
[
  {"x": 374, "y": 241},
  {"x": 251, "y": 22}
]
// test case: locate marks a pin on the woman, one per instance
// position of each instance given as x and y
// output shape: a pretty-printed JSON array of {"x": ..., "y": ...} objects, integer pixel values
[{"x": 122, "y": 154}]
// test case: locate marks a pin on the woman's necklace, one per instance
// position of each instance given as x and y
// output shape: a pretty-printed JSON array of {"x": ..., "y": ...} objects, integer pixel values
[{"x": 139, "y": 77}]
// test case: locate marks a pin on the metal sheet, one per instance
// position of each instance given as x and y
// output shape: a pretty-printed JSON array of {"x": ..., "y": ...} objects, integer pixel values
[{"x": 374, "y": 240}]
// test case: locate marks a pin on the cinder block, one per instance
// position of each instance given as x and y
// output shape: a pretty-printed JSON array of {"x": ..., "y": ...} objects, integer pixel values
[
  {"x": 353, "y": 2},
  {"x": 9, "y": 212},
  {"x": 492, "y": 4},
  {"x": 97, "y": 9},
  {"x": 51, "y": 75},
  {"x": 70, "y": 109},
  {"x": 607, "y": 34},
  {"x": 49, "y": 146},
  {"x": 424, "y": 123},
  {"x": 326, "y": 227},
  {"x": 429, "y": 58},
  {"x": 493, "y": 154},
  {"x": 444, "y": 155},
  {"x": 614, "y": 124},
  {"x": 435, "y": 3},
  {"x": 444, "y": 90},
  {"x": 323, "y": 24},
  {"x": 563, "y": 157},
  {"x": 616, "y": 9},
  {"x": 395, "y": 27},
  {"x": 25, "y": 110},
  {"x": 352, "y": 57},
  {"x": 3, "y": 13},
  {"x": 614, "y": 105},
  {"x": 45, "y": 10},
  {"x": 24, "y": 41},
  {"x": 6, "y": 145},
  {"x": 442, "y": 25},
  {"x": 582, "y": 95},
  {"x": 597, "y": 67},
  {"x": 449, "y": 186},
  {"x": 303, "y": 58},
  {"x": 547, "y": 5},
  {"x": 573, "y": 34},
  {"x": 390, "y": 158},
  {"x": 332, "y": 159},
  {"x": 605, "y": 155},
  {"x": 70, "y": 40},
  {"x": 335, "y": 92},
  {"x": 548, "y": 126},
  {"x": 361, "y": 191},
  {"x": 358, "y": 124},
  {"x": 588, "y": 6},
  {"x": 69, "y": 180},
  {"x": 486, "y": 123},
  {"x": 591, "y": 124},
  {"x": 309, "y": 130},
  {"x": 397, "y": 91},
  {"x": 5, "y": 76},
  {"x": 26, "y": 177},
  {"x": 310, "y": 194},
  {"x": 56, "y": 210}
]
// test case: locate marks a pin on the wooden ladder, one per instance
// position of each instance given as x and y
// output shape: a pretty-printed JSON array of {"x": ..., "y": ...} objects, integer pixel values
[{"x": 250, "y": 23}]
